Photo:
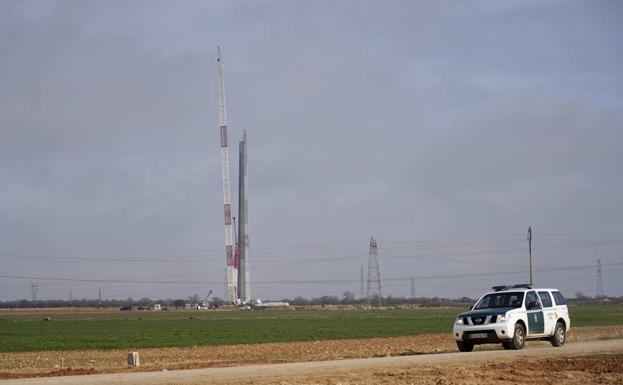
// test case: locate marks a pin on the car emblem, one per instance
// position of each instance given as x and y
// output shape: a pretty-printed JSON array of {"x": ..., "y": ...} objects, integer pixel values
[
  {"x": 535, "y": 317},
  {"x": 477, "y": 320}
]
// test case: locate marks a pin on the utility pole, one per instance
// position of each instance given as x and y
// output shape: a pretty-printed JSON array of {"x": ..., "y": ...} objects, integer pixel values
[
  {"x": 530, "y": 251},
  {"x": 99, "y": 304},
  {"x": 69, "y": 297},
  {"x": 412, "y": 287},
  {"x": 600, "y": 282}
]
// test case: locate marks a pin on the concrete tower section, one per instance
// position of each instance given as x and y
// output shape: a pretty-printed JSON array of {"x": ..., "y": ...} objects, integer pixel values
[{"x": 244, "y": 285}]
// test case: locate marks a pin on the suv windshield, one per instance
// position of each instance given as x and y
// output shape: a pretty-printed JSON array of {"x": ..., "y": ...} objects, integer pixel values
[{"x": 506, "y": 299}]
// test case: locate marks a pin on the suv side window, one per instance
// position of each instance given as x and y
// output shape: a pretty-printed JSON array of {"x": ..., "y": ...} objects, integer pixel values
[
  {"x": 531, "y": 298},
  {"x": 546, "y": 300},
  {"x": 558, "y": 298}
]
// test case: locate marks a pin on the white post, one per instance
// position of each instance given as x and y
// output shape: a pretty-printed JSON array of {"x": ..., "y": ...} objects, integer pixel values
[{"x": 133, "y": 359}]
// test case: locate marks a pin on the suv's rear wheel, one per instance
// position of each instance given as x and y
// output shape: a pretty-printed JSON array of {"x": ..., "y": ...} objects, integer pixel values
[
  {"x": 464, "y": 346},
  {"x": 558, "y": 339},
  {"x": 519, "y": 337}
]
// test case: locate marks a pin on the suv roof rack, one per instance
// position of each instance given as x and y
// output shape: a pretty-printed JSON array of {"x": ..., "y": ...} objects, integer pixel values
[{"x": 517, "y": 286}]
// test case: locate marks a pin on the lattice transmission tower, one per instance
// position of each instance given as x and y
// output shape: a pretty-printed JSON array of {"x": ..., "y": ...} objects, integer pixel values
[
  {"x": 600, "y": 282},
  {"x": 33, "y": 292},
  {"x": 373, "y": 288}
]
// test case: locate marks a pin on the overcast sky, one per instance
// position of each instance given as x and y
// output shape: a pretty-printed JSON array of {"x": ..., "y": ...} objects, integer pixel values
[{"x": 443, "y": 129}]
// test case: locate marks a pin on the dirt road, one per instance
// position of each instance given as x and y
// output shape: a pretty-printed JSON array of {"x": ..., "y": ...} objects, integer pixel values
[{"x": 599, "y": 361}]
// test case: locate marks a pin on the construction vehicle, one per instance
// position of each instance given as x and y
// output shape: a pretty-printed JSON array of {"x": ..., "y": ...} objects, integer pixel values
[{"x": 204, "y": 305}]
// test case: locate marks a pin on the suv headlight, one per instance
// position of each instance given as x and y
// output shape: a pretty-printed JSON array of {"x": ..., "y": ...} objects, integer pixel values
[
  {"x": 459, "y": 321},
  {"x": 502, "y": 318}
]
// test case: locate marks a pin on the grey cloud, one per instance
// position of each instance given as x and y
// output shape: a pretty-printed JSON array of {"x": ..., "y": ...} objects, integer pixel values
[{"x": 411, "y": 121}]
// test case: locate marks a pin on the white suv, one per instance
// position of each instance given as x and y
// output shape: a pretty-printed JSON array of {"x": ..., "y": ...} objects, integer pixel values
[{"x": 511, "y": 315}]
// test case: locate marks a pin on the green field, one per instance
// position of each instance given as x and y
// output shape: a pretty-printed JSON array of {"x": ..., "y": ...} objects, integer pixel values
[{"x": 131, "y": 330}]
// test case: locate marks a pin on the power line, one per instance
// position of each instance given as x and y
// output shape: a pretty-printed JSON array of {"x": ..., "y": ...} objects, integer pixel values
[
  {"x": 318, "y": 281},
  {"x": 387, "y": 245},
  {"x": 218, "y": 252},
  {"x": 329, "y": 256}
]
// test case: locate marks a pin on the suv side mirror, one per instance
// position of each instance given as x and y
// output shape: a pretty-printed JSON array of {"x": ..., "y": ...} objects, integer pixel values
[{"x": 533, "y": 305}]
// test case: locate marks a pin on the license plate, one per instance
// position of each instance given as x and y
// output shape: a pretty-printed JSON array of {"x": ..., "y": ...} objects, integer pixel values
[{"x": 478, "y": 335}]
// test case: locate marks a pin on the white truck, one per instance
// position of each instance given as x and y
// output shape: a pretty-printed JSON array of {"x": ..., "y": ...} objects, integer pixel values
[{"x": 511, "y": 315}]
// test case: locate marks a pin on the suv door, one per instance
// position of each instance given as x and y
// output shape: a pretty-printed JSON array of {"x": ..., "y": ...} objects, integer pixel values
[
  {"x": 549, "y": 312},
  {"x": 534, "y": 313}
]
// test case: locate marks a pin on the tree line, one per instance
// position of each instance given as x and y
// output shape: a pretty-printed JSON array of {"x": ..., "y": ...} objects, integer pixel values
[{"x": 348, "y": 298}]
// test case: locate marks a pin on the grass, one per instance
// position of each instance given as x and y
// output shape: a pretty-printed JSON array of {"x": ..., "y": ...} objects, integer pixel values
[
  {"x": 132, "y": 330},
  {"x": 596, "y": 315}
]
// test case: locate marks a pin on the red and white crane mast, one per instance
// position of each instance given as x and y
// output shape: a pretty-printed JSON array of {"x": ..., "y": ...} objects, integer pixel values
[{"x": 232, "y": 263}]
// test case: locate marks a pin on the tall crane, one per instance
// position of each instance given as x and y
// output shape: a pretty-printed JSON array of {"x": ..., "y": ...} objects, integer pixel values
[{"x": 230, "y": 253}]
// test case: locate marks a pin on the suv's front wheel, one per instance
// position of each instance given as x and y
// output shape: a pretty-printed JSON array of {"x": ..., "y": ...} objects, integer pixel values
[
  {"x": 558, "y": 339},
  {"x": 519, "y": 337},
  {"x": 464, "y": 346}
]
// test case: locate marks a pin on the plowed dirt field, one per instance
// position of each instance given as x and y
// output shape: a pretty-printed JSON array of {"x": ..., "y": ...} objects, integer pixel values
[
  {"x": 586, "y": 362},
  {"x": 35, "y": 364}
]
